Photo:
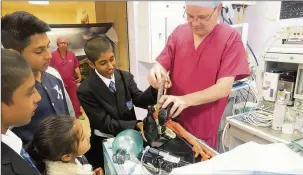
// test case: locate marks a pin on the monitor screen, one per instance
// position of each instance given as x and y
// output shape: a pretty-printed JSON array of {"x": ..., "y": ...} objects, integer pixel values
[
  {"x": 291, "y": 9},
  {"x": 290, "y": 13}
]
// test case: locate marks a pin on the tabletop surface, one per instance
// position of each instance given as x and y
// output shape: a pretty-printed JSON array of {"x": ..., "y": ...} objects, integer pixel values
[{"x": 265, "y": 132}]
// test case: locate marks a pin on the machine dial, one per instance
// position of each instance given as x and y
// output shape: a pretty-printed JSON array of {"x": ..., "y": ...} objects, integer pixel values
[{"x": 298, "y": 103}]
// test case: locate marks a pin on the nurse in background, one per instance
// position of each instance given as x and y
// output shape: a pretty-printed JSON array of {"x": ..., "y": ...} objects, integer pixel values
[
  {"x": 203, "y": 58},
  {"x": 66, "y": 63}
]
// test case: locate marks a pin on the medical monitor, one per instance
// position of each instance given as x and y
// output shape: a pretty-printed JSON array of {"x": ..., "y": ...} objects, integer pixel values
[
  {"x": 290, "y": 14},
  {"x": 291, "y": 9}
]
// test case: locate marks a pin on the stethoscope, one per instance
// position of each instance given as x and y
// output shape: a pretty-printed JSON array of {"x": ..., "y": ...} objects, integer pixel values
[{"x": 64, "y": 61}]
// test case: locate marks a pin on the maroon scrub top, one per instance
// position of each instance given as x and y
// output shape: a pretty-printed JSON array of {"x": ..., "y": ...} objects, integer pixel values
[
  {"x": 65, "y": 66},
  {"x": 220, "y": 54}
]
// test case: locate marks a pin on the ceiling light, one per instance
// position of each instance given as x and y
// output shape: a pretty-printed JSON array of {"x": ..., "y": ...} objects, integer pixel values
[{"x": 39, "y": 2}]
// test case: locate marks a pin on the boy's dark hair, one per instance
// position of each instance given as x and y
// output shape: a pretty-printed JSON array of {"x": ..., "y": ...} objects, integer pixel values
[
  {"x": 54, "y": 137},
  {"x": 18, "y": 27},
  {"x": 95, "y": 46},
  {"x": 14, "y": 71}
]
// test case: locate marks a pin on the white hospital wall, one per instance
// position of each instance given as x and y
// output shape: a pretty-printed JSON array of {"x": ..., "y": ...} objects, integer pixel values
[
  {"x": 262, "y": 23},
  {"x": 260, "y": 30},
  {"x": 138, "y": 69}
]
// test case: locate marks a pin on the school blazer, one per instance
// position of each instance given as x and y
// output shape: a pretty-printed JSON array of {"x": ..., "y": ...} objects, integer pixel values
[
  {"x": 14, "y": 164},
  {"x": 111, "y": 113}
]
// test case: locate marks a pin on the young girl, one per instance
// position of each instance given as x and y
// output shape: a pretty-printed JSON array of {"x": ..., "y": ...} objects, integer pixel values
[{"x": 57, "y": 145}]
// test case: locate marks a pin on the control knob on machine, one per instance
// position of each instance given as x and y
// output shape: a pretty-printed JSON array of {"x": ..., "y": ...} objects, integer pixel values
[{"x": 298, "y": 104}]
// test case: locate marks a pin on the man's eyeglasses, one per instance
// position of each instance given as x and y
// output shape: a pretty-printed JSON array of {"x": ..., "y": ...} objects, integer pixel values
[{"x": 200, "y": 18}]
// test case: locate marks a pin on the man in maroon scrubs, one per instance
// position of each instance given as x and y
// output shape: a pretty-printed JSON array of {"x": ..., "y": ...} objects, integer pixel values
[
  {"x": 67, "y": 65},
  {"x": 203, "y": 58}
]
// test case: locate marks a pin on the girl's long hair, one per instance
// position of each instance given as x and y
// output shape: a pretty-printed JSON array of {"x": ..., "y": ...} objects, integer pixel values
[{"x": 54, "y": 138}]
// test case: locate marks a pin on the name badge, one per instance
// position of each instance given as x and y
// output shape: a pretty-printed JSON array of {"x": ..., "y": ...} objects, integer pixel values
[{"x": 129, "y": 104}]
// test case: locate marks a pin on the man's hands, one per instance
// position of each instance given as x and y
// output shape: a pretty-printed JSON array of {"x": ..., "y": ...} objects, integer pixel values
[
  {"x": 78, "y": 74},
  {"x": 79, "y": 80},
  {"x": 155, "y": 75},
  {"x": 98, "y": 171},
  {"x": 154, "y": 79},
  {"x": 180, "y": 103}
]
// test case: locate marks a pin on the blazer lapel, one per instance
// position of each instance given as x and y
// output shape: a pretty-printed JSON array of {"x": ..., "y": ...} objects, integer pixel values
[
  {"x": 18, "y": 164},
  {"x": 120, "y": 92},
  {"x": 102, "y": 90}
]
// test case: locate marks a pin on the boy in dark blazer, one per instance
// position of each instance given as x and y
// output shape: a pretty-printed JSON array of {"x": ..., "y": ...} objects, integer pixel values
[
  {"x": 108, "y": 97},
  {"x": 19, "y": 99},
  {"x": 26, "y": 34}
]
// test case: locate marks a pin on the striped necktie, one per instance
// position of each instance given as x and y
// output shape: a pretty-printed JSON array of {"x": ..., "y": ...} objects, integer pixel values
[
  {"x": 28, "y": 159},
  {"x": 112, "y": 86}
]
